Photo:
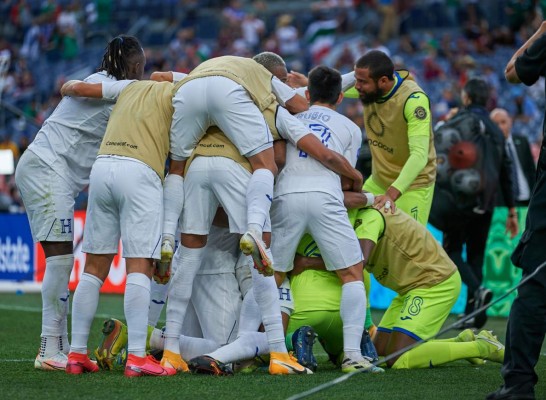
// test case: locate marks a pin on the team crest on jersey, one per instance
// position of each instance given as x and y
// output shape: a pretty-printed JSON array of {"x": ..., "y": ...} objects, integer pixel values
[
  {"x": 376, "y": 125},
  {"x": 420, "y": 112},
  {"x": 358, "y": 222}
]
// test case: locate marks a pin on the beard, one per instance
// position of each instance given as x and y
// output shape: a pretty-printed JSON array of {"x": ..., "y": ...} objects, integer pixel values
[{"x": 371, "y": 97}]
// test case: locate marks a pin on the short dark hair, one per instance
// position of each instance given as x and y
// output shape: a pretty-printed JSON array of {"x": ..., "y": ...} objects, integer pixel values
[
  {"x": 378, "y": 63},
  {"x": 324, "y": 85},
  {"x": 119, "y": 54},
  {"x": 477, "y": 91}
]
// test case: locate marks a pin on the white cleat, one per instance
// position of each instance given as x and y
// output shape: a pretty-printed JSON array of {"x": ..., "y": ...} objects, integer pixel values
[
  {"x": 55, "y": 362},
  {"x": 255, "y": 247}
]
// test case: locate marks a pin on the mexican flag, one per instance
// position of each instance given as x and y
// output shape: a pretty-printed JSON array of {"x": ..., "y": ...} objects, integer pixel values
[{"x": 320, "y": 37}]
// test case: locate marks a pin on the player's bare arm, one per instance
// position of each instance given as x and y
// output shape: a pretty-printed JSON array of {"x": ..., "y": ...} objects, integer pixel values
[
  {"x": 301, "y": 263},
  {"x": 297, "y": 104},
  {"x": 357, "y": 199},
  {"x": 279, "y": 147},
  {"x": 162, "y": 76},
  {"x": 331, "y": 160},
  {"x": 82, "y": 89}
]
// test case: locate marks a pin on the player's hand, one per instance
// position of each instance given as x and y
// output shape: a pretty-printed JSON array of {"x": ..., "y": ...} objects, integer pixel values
[
  {"x": 358, "y": 181},
  {"x": 385, "y": 202},
  {"x": 65, "y": 89},
  {"x": 296, "y": 80},
  {"x": 162, "y": 272}
]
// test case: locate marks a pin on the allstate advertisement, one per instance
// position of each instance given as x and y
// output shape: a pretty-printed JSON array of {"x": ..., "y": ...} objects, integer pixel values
[
  {"x": 16, "y": 248},
  {"x": 22, "y": 260}
]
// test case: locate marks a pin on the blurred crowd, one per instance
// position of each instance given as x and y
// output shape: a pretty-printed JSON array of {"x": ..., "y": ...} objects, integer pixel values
[{"x": 442, "y": 42}]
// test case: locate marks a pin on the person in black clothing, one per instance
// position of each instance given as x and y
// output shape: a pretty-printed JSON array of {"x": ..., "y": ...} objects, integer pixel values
[
  {"x": 470, "y": 225},
  {"x": 523, "y": 164},
  {"x": 526, "y": 324}
]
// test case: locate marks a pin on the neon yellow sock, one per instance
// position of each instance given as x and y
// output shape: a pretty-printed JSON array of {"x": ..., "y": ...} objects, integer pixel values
[
  {"x": 435, "y": 353},
  {"x": 367, "y": 285}
]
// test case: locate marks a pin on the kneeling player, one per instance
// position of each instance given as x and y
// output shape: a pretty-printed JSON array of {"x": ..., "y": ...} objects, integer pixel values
[{"x": 403, "y": 256}]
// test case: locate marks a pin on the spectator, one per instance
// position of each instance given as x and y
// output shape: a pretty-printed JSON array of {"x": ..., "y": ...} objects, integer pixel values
[
  {"x": 470, "y": 225},
  {"x": 523, "y": 165}
]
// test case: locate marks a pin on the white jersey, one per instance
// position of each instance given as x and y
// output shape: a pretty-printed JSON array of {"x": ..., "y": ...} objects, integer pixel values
[
  {"x": 301, "y": 172},
  {"x": 70, "y": 138}
]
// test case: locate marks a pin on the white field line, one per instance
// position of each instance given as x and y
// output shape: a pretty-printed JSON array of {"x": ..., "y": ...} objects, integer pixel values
[{"x": 39, "y": 310}]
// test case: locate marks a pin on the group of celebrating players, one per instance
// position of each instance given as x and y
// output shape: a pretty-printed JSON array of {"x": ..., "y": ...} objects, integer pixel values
[{"x": 260, "y": 180}]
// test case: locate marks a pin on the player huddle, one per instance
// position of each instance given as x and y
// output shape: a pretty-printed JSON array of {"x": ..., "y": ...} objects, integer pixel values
[{"x": 252, "y": 158}]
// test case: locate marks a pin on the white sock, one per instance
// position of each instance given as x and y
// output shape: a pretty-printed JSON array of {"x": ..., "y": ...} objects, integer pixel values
[
  {"x": 158, "y": 296},
  {"x": 179, "y": 294},
  {"x": 55, "y": 302},
  {"x": 192, "y": 347},
  {"x": 353, "y": 315},
  {"x": 173, "y": 202},
  {"x": 84, "y": 307},
  {"x": 259, "y": 195},
  {"x": 247, "y": 346},
  {"x": 250, "y": 317},
  {"x": 135, "y": 306},
  {"x": 267, "y": 297},
  {"x": 157, "y": 339}
]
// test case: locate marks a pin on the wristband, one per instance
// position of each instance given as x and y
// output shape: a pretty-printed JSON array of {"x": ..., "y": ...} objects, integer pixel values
[{"x": 370, "y": 197}]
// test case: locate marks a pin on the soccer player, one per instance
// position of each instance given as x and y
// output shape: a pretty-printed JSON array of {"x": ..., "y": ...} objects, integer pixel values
[
  {"x": 50, "y": 175},
  {"x": 231, "y": 93},
  {"x": 403, "y": 256},
  {"x": 219, "y": 175},
  {"x": 313, "y": 193},
  {"x": 125, "y": 200},
  {"x": 398, "y": 125}
]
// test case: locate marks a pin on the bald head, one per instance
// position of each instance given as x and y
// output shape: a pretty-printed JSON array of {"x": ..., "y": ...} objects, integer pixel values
[{"x": 503, "y": 120}]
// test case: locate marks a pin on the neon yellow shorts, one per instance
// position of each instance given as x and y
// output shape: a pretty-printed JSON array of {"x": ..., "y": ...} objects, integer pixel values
[
  {"x": 420, "y": 313},
  {"x": 415, "y": 202},
  {"x": 327, "y": 324}
]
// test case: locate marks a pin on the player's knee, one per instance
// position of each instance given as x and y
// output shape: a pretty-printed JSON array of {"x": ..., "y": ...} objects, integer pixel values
[{"x": 52, "y": 249}]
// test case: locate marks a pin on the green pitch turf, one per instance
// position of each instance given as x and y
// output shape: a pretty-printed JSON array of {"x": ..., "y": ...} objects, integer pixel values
[{"x": 19, "y": 340}]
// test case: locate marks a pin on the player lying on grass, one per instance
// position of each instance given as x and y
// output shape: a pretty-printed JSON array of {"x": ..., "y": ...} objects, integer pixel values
[{"x": 403, "y": 256}]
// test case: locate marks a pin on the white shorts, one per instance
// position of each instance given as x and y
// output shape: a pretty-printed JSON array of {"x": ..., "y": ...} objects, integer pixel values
[
  {"x": 125, "y": 200},
  {"x": 48, "y": 199},
  {"x": 217, "y": 302},
  {"x": 213, "y": 181},
  {"x": 321, "y": 215},
  {"x": 217, "y": 100}
]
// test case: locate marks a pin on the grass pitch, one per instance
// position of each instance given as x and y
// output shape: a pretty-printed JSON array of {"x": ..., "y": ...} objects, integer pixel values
[{"x": 20, "y": 321}]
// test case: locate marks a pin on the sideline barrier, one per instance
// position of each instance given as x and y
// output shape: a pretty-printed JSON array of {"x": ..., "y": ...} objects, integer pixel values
[{"x": 22, "y": 263}]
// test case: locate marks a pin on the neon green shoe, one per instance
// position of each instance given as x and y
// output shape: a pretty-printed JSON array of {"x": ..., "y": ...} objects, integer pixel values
[
  {"x": 112, "y": 351},
  {"x": 492, "y": 347},
  {"x": 468, "y": 336},
  {"x": 364, "y": 365}
]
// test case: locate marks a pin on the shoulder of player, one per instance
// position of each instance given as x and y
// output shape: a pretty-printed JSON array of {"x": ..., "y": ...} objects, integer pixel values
[{"x": 98, "y": 77}]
